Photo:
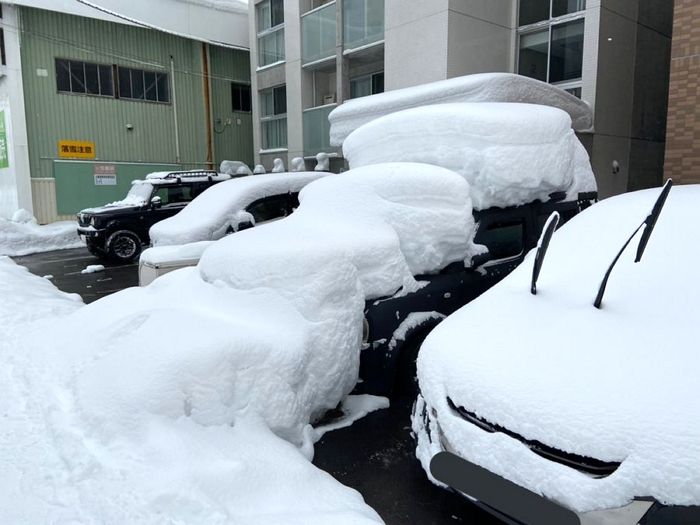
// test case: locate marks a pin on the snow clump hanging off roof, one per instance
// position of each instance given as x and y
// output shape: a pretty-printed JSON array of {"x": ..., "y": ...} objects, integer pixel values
[
  {"x": 509, "y": 153},
  {"x": 485, "y": 87}
]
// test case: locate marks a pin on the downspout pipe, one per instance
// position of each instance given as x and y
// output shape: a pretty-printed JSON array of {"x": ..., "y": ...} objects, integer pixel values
[{"x": 177, "y": 131}]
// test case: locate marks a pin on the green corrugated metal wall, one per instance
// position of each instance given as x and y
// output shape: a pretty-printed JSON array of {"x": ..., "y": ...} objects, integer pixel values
[{"x": 53, "y": 116}]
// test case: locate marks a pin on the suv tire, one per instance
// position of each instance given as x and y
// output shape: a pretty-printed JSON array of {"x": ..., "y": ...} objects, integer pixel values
[{"x": 123, "y": 246}]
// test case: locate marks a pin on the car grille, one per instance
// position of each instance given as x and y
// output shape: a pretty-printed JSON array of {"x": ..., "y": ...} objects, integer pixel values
[{"x": 591, "y": 466}]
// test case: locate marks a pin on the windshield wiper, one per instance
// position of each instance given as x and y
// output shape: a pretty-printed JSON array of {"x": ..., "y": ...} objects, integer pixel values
[
  {"x": 648, "y": 225},
  {"x": 542, "y": 245}
]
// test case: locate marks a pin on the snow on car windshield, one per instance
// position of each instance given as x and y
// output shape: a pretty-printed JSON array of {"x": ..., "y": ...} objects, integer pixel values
[
  {"x": 139, "y": 193},
  {"x": 617, "y": 384},
  {"x": 209, "y": 215}
]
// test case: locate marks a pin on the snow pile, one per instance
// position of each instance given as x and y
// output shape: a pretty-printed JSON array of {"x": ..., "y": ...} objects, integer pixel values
[
  {"x": 23, "y": 236},
  {"x": 378, "y": 225},
  {"x": 93, "y": 268},
  {"x": 145, "y": 406},
  {"x": 353, "y": 408},
  {"x": 174, "y": 254},
  {"x": 616, "y": 384},
  {"x": 209, "y": 215},
  {"x": 509, "y": 153},
  {"x": 485, "y": 87}
]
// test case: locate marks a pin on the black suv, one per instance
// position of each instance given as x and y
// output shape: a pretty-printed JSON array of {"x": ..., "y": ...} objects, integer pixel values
[
  {"x": 120, "y": 230},
  {"x": 396, "y": 326}
]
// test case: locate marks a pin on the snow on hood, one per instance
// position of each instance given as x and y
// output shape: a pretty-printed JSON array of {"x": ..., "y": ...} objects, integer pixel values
[
  {"x": 26, "y": 236},
  {"x": 509, "y": 153},
  {"x": 616, "y": 384},
  {"x": 484, "y": 87},
  {"x": 208, "y": 216},
  {"x": 385, "y": 223},
  {"x": 177, "y": 253}
]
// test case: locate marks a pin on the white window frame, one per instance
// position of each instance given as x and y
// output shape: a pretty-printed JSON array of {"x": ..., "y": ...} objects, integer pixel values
[{"x": 547, "y": 25}]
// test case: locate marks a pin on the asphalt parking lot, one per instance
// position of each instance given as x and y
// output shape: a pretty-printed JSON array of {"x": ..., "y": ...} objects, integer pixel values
[{"x": 375, "y": 455}]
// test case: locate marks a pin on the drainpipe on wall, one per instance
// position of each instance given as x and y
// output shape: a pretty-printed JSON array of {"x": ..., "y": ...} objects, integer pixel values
[
  {"x": 207, "y": 103},
  {"x": 177, "y": 132}
]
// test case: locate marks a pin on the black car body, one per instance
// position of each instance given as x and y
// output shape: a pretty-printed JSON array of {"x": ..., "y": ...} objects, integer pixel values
[
  {"x": 120, "y": 230},
  {"x": 395, "y": 326}
]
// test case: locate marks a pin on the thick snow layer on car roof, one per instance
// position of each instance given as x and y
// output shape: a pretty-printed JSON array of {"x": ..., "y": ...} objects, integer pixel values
[
  {"x": 509, "y": 153},
  {"x": 209, "y": 215},
  {"x": 382, "y": 223},
  {"x": 484, "y": 87},
  {"x": 155, "y": 404},
  {"x": 616, "y": 384},
  {"x": 24, "y": 236}
]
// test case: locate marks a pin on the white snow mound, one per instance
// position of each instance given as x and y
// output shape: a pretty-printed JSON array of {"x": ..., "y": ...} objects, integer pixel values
[
  {"x": 23, "y": 236},
  {"x": 484, "y": 87},
  {"x": 208, "y": 216},
  {"x": 509, "y": 153}
]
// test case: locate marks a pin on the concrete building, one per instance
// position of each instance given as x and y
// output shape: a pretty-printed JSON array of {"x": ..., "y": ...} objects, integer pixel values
[
  {"x": 308, "y": 56},
  {"x": 683, "y": 131},
  {"x": 91, "y": 100}
]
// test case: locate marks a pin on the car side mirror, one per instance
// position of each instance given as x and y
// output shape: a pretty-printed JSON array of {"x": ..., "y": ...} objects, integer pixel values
[{"x": 156, "y": 202}]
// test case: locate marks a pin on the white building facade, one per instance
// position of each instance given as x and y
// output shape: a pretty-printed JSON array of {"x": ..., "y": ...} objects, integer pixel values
[{"x": 308, "y": 56}]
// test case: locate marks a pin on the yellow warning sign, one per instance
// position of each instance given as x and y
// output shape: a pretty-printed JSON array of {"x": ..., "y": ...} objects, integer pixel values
[{"x": 76, "y": 149}]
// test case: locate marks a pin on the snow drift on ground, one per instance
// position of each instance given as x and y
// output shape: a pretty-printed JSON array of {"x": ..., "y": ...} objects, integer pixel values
[
  {"x": 208, "y": 216},
  {"x": 23, "y": 236},
  {"x": 616, "y": 384},
  {"x": 485, "y": 87},
  {"x": 509, "y": 153}
]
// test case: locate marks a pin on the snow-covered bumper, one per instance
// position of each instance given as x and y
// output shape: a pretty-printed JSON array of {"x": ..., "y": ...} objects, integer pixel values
[
  {"x": 92, "y": 235},
  {"x": 512, "y": 503}
]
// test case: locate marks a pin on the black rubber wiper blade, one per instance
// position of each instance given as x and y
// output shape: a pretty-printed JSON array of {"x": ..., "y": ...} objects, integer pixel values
[
  {"x": 542, "y": 245},
  {"x": 648, "y": 224}
]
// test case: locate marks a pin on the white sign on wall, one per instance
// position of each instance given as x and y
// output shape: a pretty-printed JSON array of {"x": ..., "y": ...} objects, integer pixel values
[{"x": 105, "y": 175}]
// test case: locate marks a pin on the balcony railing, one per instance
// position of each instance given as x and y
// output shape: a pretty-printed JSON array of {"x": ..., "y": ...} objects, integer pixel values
[
  {"x": 317, "y": 130},
  {"x": 363, "y": 22},
  {"x": 318, "y": 34}
]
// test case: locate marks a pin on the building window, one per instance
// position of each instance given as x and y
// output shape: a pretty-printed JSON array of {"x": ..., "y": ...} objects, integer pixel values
[
  {"x": 240, "y": 95},
  {"x": 270, "y": 24},
  {"x": 3, "y": 59},
  {"x": 137, "y": 84},
  {"x": 273, "y": 117},
  {"x": 73, "y": 76},
  {"x": 551, "y": 40},
  {"x": 367, "y": 85}
]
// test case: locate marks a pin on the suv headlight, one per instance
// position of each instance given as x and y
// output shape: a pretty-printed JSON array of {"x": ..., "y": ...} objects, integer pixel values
[{"x": 93, "y": 222}]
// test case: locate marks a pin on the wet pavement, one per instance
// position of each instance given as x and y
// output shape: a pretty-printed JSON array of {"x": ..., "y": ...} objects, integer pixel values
[{"x": 374, "y": 456}]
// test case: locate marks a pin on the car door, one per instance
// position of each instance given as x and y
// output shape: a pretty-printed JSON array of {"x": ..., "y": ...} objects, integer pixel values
[{"x": 271, "y": 208}]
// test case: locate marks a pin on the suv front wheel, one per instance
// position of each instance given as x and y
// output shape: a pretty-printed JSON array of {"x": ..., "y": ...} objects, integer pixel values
[{"x": 123, "y": 246}]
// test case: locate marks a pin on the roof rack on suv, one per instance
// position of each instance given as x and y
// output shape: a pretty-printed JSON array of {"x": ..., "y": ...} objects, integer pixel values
[{"x": 191, "y": 174}]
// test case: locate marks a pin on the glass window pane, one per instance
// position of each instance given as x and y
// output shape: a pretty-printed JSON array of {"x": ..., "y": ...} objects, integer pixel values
[
  {"x": 124, "y": 82},
  {"x": 566, "y": 60},
  {"x": 263, "y": 12},
  {"x": 163, "y": 87},
  {"x": 271, "y": 48},
  {"x": 564, "y": 7},
  {"x": 77, "y": 77},
  {"x": 137, "y": 84},
  {"x": 280, "y": 94},
  {"x": 532, "y": 11},
  {"x": 377, "y": 83},
  {"x": 92, "y": 83},
  {"x": 360, "y": 87},
  {"x": 363, "y": 22},
  {"x": 106, "y": 84},
  {"x": 63, "y": 75},
  {"x": 274, "y": 133},
  {"x": 532, "y": 61},
  {"x": 276, "y": 12},
  {"x": 266, "y": 103},
  {"x": 151, "y": 92}
]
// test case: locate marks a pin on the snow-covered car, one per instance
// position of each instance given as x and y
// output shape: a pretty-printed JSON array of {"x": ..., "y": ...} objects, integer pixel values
[
  {"x": 119, "y": 230},
  {"x": 230, "y": 207},
  {"x": 591, "y": 402}
]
